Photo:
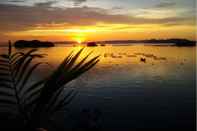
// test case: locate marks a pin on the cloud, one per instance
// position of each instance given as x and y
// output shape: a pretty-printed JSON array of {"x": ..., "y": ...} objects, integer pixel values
[
  {"x": 166, "y": 4},
  {"x": 34, "y": 2},
  {"x": 17, "y": 18},
  {"x": 78, "y": 2},
  {"x": 117, "y": 8},
  {"x": 16, "y": 1},
  {"x": 45, "y": 4}
]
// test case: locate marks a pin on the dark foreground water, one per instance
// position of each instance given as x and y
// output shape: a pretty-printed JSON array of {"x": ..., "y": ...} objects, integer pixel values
[{"x": 129, "y": 94}]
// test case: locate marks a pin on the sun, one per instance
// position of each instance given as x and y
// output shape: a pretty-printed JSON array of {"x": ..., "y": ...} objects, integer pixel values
[
  {"x": 79, "y": 41},
  {"x": 79, "y": 38}
]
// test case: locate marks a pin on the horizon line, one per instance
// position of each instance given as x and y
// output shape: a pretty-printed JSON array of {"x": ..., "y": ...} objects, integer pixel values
[{"x": 72, "y": 41}]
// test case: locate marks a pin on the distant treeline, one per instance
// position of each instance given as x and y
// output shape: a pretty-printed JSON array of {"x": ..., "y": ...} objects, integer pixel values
[
  {"x": 177, "y": 42},
  {"x": 33, "y": 43}
]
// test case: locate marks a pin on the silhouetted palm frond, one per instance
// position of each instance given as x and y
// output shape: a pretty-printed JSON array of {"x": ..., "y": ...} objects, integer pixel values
[
  {"x": 43, "y": 97},
  {"x": 15, "y": 71}
]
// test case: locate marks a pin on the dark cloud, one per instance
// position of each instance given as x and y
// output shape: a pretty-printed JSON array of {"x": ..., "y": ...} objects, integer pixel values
[
  {"x": 24, "y": 2},
  {"x": 15, "y": 18},
  {"x": 16, "y": 1},
  {"x": 45, "y": 4},
  {"x": 165, "y": 4}
]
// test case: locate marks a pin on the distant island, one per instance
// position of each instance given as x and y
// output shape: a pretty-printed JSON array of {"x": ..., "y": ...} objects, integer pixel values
[
  {"x": 32, "y": 44},
  {"x": 170, "y": 42},
  {"x": 173, "y": 42},
  {"x": 92, "y": 44}
]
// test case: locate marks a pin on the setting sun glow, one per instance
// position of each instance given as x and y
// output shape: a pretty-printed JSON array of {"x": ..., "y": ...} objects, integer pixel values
[{"x": 79, "y": 38}]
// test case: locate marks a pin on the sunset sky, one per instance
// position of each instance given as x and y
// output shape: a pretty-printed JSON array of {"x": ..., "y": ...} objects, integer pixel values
[{"x": 89, "y": 20}]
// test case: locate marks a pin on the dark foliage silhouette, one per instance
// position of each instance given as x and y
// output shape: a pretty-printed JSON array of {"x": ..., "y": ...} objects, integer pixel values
[
  {"x": 33, "y": 44},
  {"x": 28, "y": 105}
]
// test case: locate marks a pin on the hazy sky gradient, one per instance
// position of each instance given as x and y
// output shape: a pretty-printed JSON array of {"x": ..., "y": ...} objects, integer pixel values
[{"x": 81, "y": 20}]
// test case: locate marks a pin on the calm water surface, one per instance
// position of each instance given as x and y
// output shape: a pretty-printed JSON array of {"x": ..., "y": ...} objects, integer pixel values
[{"x": 158, "y": 93}]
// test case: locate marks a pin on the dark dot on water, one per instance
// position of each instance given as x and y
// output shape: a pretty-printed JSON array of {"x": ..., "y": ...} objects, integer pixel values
[{"x": 181, "y": 63}]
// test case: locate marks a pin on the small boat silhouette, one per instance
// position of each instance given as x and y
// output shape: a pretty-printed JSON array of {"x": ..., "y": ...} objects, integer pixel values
[{"x": 143, "y": 59}]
